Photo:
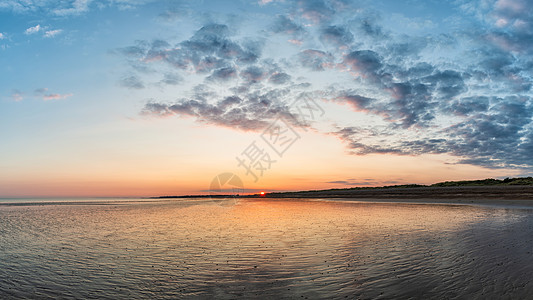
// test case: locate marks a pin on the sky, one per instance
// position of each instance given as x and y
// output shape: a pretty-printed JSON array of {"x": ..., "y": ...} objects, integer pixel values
[{"x": 147, "y": 98}]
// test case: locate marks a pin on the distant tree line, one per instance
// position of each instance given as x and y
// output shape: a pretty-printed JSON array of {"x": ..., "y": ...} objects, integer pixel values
[{"x": 488, "y": 181}]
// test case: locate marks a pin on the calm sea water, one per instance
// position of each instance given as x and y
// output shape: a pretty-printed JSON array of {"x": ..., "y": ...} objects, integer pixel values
[{"x": 283, "y": 249}]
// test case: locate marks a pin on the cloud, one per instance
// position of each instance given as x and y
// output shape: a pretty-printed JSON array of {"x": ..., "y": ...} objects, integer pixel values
[
  {"x": 52, "y": 33},
  {"x": 468, "y": 105},
  {"x": 283, "y": 24},
  {"x": 371, "y": 29},
  {"x": 239, "y": 90},
  {"x": 462, "y": 90},
  {"x": 33, "y": 29},
  {"x": 248, "y": 107},
  {"x": 513, "y": 25},
  {"x": 17, "y": 95},
  {"x": 280, "y": 78},
  {"x": 67, "y": 7},
  {"x": 316, "y": 60},
  {"x": 2, "y": 36},
  {"x": 336, "y": 35},
  {"x": 210, "y": 48},
  {"x": 448, "y": 83},
  {"x": 132, "y": 82},
  {"x": 252, "y": 114},
  {"x": 72, "y": 8},
  {"x": 361, "y": 182},
  {"x": 365, "y": 63},
  {"x": 357, "y": 102},
  {"x": 171, "y": 79},
  {"x": 223, "y": 74},
  {"x": 47, "y": 97},
  {"x": 47, "y": 33},
  {"x": 40, "y": 91},
  {"x": 43, "y": 94},
  {"x": 497, "y": 135},
  {"x": 317, "y": 11}
]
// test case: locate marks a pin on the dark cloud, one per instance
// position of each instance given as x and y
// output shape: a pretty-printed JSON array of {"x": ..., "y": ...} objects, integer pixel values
[
  {"x": 365, "y": 63},
  {"x": 172, "y": 79},
  {"x": 283, "y": 24},
  {"x": 223, "y": 74},
  {"x": 412, "y": 103},
  {"x": 400, "y": 51},
  {"x": 40, "y": 91},
  {"x": 421, "y": 69},
  {"x": 352, "y": 182},
  {"x": 315, "y": 60},
  {"x": 210, "y": 48},
  {"x": 315, "y": 10},
  {"x": 465, "y": 93},
  {"x": 468, "y": 105},
  {"x": 357, "y": 102},
  {"x": 253, "y": 113},
  {"x": 336, "y": 35},
  {"x": 280, "y": 78},
  {"x": 369, "y": 28},
  {"x": 513, "y": 26},
  {"x": 499, "y": 136},
  {"x": 132, "y": 82},
  {"x": 448, "y": 83},
  {"x": 253, "y": 74},
  {"x": 174, "y": 13}
]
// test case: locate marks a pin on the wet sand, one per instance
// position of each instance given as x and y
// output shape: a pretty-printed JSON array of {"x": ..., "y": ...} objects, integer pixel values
[{"x": 265, "y": 249}]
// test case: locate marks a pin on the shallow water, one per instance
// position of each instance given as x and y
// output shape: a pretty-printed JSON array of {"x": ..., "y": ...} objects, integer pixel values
[{"x": 264, "y": 249}]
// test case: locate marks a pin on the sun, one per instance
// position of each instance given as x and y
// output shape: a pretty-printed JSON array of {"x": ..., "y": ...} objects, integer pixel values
[{"x": 262, "y": 193}]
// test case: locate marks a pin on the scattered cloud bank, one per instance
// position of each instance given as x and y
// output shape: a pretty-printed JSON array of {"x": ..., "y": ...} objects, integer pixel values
[
  {"x": 257, "y": 90},
  {"x": 46, "y": 96},
  {"x": 68, "y": 7},
  {"x": 40, "y": 93},
  {"x": 465, "y": 92},
  {"x": 46, "y": 33}
]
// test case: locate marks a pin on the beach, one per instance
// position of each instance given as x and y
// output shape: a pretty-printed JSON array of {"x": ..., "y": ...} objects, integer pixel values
[{"x": 265, "y": 248}]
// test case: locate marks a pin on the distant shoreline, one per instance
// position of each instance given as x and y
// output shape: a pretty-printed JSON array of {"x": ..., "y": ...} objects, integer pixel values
[
  {"x": 459, "y": 192},
  {"x": 520, "y": 188},
  {"x": 490, "y": 195}
]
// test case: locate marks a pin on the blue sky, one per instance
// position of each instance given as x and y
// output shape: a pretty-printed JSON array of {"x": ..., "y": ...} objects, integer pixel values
[{"x": 91, "y": 88}]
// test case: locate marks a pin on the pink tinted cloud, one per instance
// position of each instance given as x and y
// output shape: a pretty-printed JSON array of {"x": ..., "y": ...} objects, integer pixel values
[
  {"x": 47, "y": 97},
  {"x": 17, "y": 95},
  {"x": 296, "y": 42}
]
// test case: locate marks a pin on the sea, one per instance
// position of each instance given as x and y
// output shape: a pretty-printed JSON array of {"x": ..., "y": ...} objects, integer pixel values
[{"x": 262, "y": 249}]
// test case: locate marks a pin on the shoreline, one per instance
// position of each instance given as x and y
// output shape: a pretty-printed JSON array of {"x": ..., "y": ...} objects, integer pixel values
[
  {"x": 471, "y": 192},
  {"x": 512, "y": 203},
  {"x": 482, "y": 195}
]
